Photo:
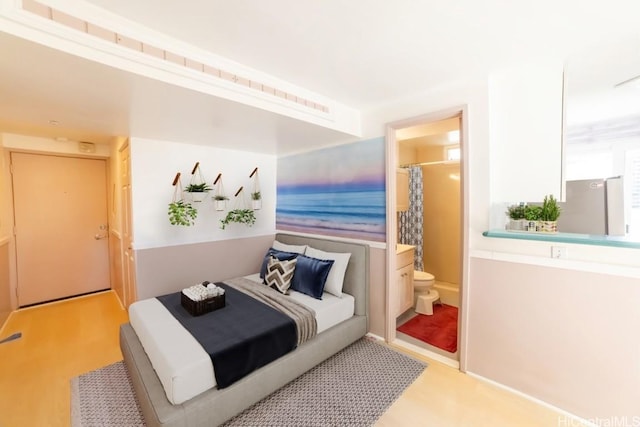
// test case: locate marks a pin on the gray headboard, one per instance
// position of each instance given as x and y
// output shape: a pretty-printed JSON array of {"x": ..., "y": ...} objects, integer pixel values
[{"x": 356, "y": 280}]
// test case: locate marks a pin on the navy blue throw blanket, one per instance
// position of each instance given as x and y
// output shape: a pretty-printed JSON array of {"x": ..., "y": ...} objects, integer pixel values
[{"x": 240, "y": 337}]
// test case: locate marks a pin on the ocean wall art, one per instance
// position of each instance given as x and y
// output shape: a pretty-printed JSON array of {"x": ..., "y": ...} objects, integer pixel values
[{"x": 336, "y": 191}]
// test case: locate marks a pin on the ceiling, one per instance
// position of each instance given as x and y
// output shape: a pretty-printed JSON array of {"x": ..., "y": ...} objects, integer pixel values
[{"x": 362, "y": 53}]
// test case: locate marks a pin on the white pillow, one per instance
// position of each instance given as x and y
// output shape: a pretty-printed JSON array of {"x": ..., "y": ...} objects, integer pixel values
[
  {"x": 296, "y": 249},
  {"x": 335, "y": 280}
]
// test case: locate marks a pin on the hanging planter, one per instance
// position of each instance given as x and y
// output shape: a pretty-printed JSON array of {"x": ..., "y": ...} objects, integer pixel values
[
  {"x": 239, "y": 215},
  {"x": 256, "y": 197},
  {"x": 180, "y": 211},
  {"x": 219, "y": 199},
  {"x": 256, "y": 200},
  {"x": 197, "y": 188}
]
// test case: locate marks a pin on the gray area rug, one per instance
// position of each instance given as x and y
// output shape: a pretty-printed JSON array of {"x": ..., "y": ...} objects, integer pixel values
[{"x": 353, "y": 388}]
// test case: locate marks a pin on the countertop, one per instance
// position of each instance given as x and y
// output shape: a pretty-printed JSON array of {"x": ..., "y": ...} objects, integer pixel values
[{"x": 400, "y": 248}]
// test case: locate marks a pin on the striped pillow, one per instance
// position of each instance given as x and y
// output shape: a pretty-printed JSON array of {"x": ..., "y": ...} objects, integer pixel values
[{"x": 279, "y": 274}]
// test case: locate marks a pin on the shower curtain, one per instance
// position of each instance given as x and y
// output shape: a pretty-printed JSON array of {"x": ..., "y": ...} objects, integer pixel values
[{"x": 410, "y": 224}]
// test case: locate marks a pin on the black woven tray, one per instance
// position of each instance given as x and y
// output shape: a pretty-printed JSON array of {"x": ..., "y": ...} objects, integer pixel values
[{"x": 198, "y": 308}]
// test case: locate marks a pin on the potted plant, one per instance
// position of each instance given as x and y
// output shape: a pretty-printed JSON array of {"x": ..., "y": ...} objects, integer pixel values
[
  {"x": 516, "y": 216},
  {"x": 181, "y": 213},
  {"x": 549, "y": 214},
  {"x": 532, "y": 215},
  {"x": 240, "y": 216},
  {"x": 220, "y": 201},
  {"x": 197, "y": 191},
  {"x": 256, "y": 200}
]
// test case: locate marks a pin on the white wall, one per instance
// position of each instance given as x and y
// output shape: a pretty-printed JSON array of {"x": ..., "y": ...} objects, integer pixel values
[
  {"x": 526, "y": 132},
  {"x": 154, "y": 165}
]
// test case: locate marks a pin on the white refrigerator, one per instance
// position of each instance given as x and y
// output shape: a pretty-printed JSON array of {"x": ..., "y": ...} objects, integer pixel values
[{"x": 594, "y": 206}]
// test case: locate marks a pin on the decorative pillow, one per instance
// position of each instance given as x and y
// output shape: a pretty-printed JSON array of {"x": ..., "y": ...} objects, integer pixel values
[
  {"x": 279, "y": 274},
  {"x": 335, "y": 280},
  {"x": 282, "y": 256},
  {"x": 311, "y": 275},
  {"x": 296, "y": 249}
]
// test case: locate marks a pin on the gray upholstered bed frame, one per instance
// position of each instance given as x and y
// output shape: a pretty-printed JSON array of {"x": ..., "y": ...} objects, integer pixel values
[{"x": 215, "y": 406}]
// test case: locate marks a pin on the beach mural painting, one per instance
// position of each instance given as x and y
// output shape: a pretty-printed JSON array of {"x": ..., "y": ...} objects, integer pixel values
[{"x": 337, "y": 191}]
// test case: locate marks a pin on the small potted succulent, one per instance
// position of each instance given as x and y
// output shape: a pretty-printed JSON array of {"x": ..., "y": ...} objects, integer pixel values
[
  {"x": 182, "y": 213},
  {"x": 220, "y": 201},
  {"x": 256, "y": 200}
]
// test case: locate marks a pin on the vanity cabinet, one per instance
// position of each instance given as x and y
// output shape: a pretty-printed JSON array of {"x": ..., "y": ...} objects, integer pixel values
[{"x": 403, "y": 293}]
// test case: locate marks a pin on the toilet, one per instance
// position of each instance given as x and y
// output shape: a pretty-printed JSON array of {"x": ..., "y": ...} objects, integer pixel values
[{"x": 423, "y": 293}]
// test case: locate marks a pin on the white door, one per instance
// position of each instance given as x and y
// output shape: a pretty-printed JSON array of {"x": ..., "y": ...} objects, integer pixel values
[{"x": 60, "y": 211}]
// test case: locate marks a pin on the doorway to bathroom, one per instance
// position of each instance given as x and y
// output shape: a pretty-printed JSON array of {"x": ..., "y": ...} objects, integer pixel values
[{"x": 426, "y": 229}]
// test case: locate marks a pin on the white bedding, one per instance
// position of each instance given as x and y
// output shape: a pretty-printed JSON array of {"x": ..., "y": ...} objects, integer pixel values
[{"x": 182, "y": 365}]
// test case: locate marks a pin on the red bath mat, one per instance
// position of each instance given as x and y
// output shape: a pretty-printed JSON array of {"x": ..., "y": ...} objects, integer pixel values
[{"x": 439, "y": 329}]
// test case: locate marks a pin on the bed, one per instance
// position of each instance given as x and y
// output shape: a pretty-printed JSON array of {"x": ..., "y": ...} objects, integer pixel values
[{"x": 216, "y": 405}]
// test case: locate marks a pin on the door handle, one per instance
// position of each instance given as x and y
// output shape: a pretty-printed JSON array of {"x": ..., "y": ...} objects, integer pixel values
[{"x": 100, "y": 236}]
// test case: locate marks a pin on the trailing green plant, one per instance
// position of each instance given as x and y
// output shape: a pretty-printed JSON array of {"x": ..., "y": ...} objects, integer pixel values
[
  {"x": 532, "y": 213},
  {"x": 550, "y": 210},
  {"x": 220, "y": 197},
  {"x": 181, "y": 213},
  {"x": 256, "y": 195},
  {"x": 197, "y": 188},
  {"x": 516, "y": 211},
  {"x": 241, "y": 216}
]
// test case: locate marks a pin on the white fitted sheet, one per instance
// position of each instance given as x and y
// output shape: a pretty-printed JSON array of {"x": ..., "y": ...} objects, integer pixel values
[{"x": 182, "y": 365}]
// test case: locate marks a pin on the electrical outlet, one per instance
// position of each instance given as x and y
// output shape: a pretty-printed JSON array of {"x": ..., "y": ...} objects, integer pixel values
[{"x": 558, "y": 252}]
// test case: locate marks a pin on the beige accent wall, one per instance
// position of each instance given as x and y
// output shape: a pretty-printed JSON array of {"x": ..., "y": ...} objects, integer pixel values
[
  {"x": 442, "y": 224},
  {"x": 430, "y": 153},
  {"x": 407, "y": 154},
  {"x": 569, "y": 338},
  {"x": 171, "y": 268},
  {"x": 377, "y": 291}
]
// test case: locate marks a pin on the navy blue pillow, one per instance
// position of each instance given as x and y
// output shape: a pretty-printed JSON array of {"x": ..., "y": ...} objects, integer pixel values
[
  {"x": 311, "y": 275},
  {"x": 281, "y": 255}
]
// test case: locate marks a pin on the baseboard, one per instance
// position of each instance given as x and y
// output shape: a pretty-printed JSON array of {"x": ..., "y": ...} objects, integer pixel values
[
  {"x": 4, "y": 324},
  {"x": 570, "y": 419},
  {"x": 426, "y": 353}
]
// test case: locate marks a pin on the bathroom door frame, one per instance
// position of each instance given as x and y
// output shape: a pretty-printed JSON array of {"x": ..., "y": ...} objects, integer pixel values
[{"x": 392, "y": 227}]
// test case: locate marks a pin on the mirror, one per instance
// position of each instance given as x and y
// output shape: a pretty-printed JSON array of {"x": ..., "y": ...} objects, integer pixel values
[{"x": 602, "y": 140}]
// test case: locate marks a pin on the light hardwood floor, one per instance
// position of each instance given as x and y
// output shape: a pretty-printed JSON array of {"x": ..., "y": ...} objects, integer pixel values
[
  {"x": 59, "y": 341},
  {"x": 64, "y": 339}
]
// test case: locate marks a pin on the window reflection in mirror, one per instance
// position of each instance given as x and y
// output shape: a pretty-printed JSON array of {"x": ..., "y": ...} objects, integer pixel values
[{"x": 602, "y": 137}]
